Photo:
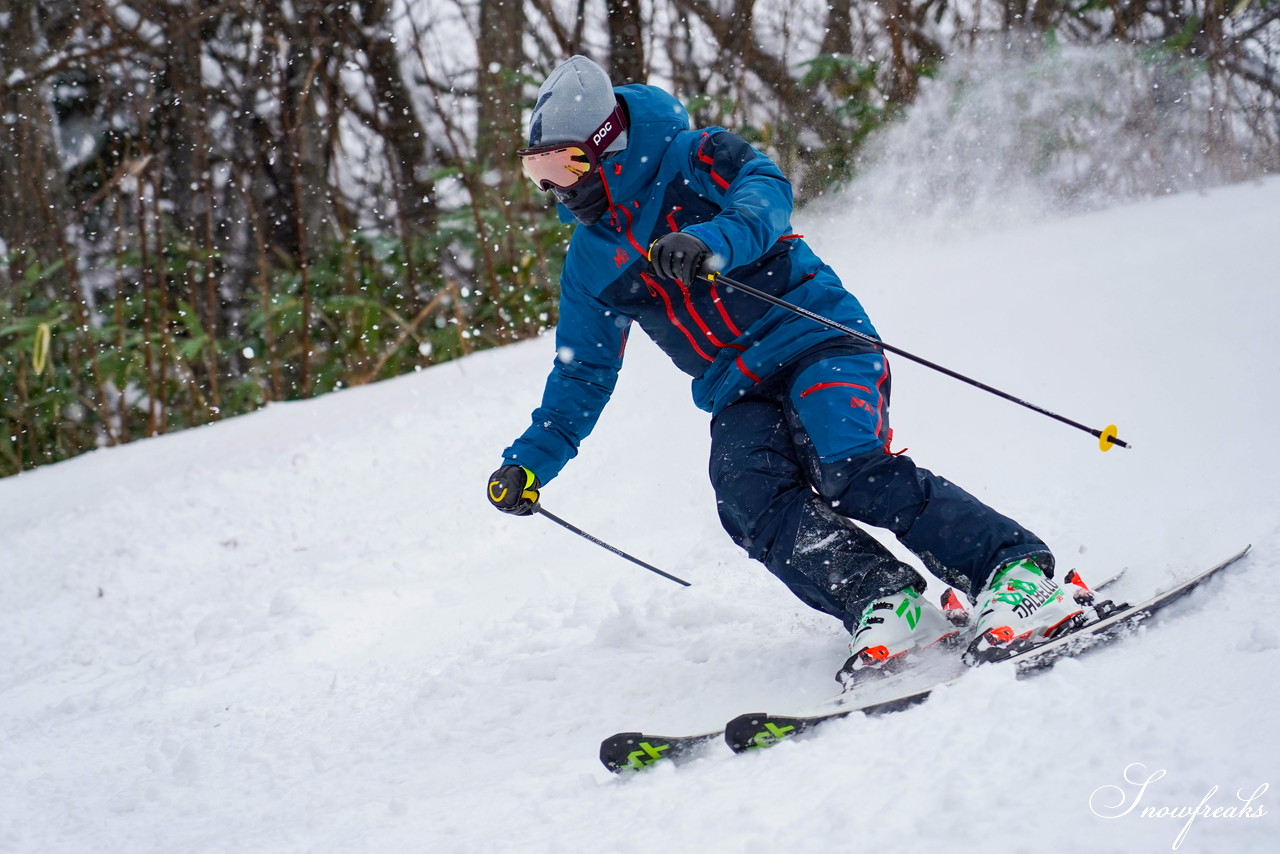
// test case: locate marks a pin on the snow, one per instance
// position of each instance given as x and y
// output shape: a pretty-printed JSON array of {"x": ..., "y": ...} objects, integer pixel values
[{"x": 304, "y": 630}]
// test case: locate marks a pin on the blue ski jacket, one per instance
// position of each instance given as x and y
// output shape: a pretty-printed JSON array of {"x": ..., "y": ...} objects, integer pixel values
[{"x": 714, "y": 185}]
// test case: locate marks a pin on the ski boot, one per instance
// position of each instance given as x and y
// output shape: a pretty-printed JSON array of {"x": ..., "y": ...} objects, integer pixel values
[
  {"x": 1020, "y": 607},
  {"x": 892, "y": 630}
]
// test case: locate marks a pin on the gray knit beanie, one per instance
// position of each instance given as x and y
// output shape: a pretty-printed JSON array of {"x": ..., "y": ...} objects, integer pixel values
[{"x": 572, "y": 104}]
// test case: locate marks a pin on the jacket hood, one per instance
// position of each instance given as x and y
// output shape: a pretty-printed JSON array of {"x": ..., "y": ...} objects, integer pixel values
[{"x": 654, "y": 117}]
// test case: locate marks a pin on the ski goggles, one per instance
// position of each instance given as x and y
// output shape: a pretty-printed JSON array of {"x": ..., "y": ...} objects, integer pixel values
[{"x": 564, "y": 164}]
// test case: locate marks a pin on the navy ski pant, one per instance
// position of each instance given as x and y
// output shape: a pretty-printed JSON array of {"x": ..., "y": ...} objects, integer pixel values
[{"x": 804, "y": 455}]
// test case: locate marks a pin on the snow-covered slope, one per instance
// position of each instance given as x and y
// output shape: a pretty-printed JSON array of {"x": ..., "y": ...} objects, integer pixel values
[{"x": 304, "y": 630}]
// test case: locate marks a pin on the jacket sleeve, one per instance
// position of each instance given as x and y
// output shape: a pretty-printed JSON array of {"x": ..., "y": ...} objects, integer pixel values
[
  {"x": 590, "y": 339},
  {"x": 754, "y": 196}
]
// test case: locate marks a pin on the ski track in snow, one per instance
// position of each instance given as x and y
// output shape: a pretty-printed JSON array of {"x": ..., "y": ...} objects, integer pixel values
[{"x": 305, "y": 631}]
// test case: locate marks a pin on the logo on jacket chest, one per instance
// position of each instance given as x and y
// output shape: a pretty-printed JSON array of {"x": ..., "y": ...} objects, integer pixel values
[{"x": 621, "y": 258}]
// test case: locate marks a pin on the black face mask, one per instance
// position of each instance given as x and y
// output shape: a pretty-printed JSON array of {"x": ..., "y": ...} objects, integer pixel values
[{"x": 586, "y": 200}]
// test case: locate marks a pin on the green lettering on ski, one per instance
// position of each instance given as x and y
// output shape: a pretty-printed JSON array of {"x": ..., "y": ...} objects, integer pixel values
[
  {"x": 771, "y": 735},
  {"x": 646, "y": 755}
]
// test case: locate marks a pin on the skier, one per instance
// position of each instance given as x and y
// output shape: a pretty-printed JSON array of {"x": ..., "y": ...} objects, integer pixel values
[{"x": 799, "y": 412}]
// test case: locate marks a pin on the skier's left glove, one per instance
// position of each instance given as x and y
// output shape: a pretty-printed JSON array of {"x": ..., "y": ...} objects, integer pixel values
[
  {"x": 680, "y": 256},
  {"x": 514, "y": 489}
]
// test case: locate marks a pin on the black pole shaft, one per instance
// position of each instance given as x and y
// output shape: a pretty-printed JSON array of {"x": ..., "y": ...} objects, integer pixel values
[
  {"x": 804, "y": 312},
  {"x": 619, "y": 552}
]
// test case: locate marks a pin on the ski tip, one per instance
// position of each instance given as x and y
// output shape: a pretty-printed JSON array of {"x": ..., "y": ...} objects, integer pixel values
[
  {"x": 622, "y": 752},
  {"x": 626, "y": 752},
  {"x": 759, "y": 730},
  {"x": 741, "y": 733}
]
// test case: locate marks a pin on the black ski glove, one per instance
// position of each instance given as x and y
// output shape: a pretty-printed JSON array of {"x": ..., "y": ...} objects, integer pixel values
[
  {"x": 679, "y": 255},
  {"x": 514, "y": 489}
]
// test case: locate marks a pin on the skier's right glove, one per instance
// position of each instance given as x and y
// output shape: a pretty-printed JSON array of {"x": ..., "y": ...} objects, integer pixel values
[
  {"x": 514, "y": 489},
  {"x": 680, "y": 256}
]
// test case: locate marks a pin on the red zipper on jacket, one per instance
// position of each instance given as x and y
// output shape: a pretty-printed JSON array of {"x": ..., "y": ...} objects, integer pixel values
[
  {"x": 657, "y": 290},
  {"x": 724, "y": 312},
  {"x": 624, "y": 225}
]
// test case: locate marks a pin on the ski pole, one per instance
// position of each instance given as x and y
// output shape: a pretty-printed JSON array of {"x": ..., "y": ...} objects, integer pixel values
[
  {"x": 619, "y": 552},
  {"x": 1106, "y": 437}
]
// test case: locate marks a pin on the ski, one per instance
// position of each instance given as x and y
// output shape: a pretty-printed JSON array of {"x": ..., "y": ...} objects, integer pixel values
[
  {"x": 760, "y": 730},
  {"x": 634, "y": 751}
]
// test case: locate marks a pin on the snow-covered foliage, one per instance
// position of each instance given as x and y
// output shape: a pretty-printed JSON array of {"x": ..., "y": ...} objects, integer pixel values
[{"x": 1011, "y": 130}]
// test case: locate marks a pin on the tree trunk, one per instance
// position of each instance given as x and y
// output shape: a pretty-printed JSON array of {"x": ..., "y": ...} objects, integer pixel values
[
  {"x": 397, "y": 122},
  {"x": 35, "y": 210},
  {"x": 499, "y": 92},
  {"x": 626, "y": 42}
]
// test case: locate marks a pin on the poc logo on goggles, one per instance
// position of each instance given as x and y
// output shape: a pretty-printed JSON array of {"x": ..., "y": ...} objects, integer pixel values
[{"x": 563, "y": 165}]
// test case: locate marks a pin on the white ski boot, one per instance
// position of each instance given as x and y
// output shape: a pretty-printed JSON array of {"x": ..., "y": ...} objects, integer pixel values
[
  {"x": 891, "y": 630},
  {"x": 1020, "y": 607}
]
